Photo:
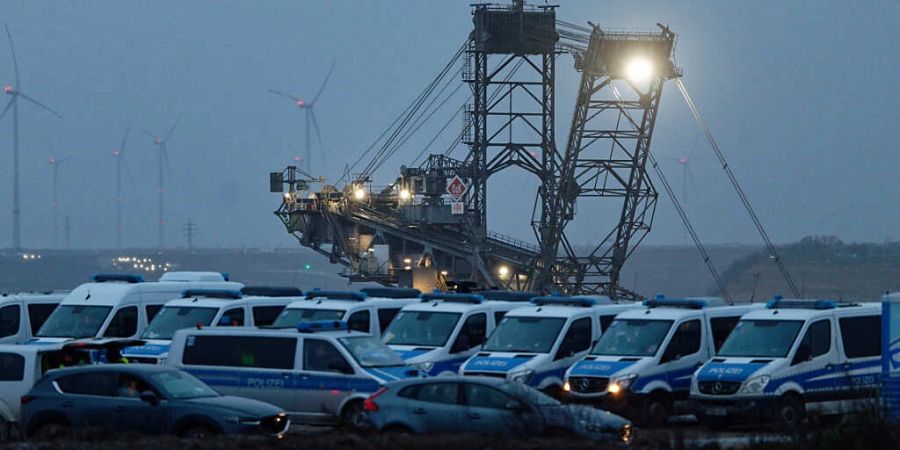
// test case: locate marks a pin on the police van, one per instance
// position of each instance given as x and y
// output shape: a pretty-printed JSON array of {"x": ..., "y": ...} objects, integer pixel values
[
  {"x": 115, "y": 305},
  {"x": 642, "y": 365},
  {"x": 441, "y": 331},
  {"x": 318, "y": 372},
  {"x": 251, "y": 306},
  {"x": 22, "y": 314},
  {"x": 535, "y": 344},
  {"x": 370, "y": 310},
  {"x": 793, "y": 357}
]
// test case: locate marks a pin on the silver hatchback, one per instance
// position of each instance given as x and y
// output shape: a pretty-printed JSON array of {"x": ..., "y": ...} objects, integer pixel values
[{"x": 486, "y": 405}]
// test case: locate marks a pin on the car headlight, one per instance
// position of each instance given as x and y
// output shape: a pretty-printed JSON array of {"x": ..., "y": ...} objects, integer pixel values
[
  {"x": 755, "y": 385},
  {"x": 622, "y": 383},
  {"x": 425, "y": 366},
  {"x": 162, "y": 361},
  {"x": 626, "y": 433},
  {"x": 522, "y": 376}
]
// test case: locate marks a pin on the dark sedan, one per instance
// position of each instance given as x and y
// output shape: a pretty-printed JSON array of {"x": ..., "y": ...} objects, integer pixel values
[
  {"x": 486, "y": 405},
  {"x": 144, "y": 398}
]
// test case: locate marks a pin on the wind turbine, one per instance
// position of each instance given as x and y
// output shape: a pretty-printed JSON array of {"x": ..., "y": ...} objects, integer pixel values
[
  {"x": 119, "y": 154},
  {"x": 162, "y": 145},
  {"x": 686, "y": 173},
  {"x": 308, "y": 108},
  {"x": 15, "y": 92},
  {"x": 54, "y": 164}
]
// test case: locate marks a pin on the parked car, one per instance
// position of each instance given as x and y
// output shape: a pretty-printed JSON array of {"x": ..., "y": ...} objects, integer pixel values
[
  {"x": 370, "y": 310},
  {"x": 486, "y": 405},
  {"x": 144, "y": 398},
  {"x": 22, "y": 314}
]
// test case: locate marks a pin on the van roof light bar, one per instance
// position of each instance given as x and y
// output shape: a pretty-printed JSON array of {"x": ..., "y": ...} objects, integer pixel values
[
  {"x": 508, "y": 296},
  {"x": 450, "y": 297},
  {"x": 391, "y": 292},
  {"x": 335, "y": 295},
  {"x": 321, "y": 325},
  {"x": 120, "y": 277},
  {"x": 689, "y": 303},
  {"x": 782, "y": 303},
  {"x": 228, "y": 294},
  {"x": 271, "y": 291},
  {"x": 564, "y": 301}
]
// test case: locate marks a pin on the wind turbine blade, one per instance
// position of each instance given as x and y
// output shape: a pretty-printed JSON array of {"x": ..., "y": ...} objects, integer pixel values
[
  {"x": 149, "y": 134},
  {"x": 172, "y": 130},
  {"x": 312, "y": 115},
  {"x": 124, "y": 140},
  {"x": 20, "y": 94},
  {"x": 8, "y": 105},
  {"x": 323, "y": 84},
  {"x": 62, "y": 160},
  {"x": 272, "y": 91},
  {"x": 165, "y": 154},
  {"x": 692, "y": 180},
  {"x": 694, "y": 148},
  {"x": 13, "y": 50}
]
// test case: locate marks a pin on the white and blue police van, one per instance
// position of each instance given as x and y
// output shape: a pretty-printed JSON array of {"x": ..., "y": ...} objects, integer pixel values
[
  {"x": 118, "y": 305},
  {"x": 370, "y": 310},
  {"x": 643, "y": 363},
  {"x": 535, "y": 344},
  {"x": 791, "y": 358},
  {"x": 441, "y": 331},
  {"x": 23, "y": 313},
  {"x": 252, "y": 306},
  {"x": 319, "y": 372}
]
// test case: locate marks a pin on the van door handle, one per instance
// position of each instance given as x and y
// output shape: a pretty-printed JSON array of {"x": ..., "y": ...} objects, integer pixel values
[
  {"x": 419, "y": 411},
  {"x": 829, "y": 366},
  {"x": 285, "y": 375}
]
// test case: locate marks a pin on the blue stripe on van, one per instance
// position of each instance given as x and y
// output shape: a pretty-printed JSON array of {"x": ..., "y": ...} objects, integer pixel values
[
  {"x": 598, "y": 368},
  {"x": 262, "y": 379},
  {"x": 678, "y": 380},
  {"x": 714, "y": 371},
  {"x": 828, "y": 378}
]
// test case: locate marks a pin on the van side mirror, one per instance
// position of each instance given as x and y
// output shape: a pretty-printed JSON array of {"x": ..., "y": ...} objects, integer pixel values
[{"x": 150, "y": 397}]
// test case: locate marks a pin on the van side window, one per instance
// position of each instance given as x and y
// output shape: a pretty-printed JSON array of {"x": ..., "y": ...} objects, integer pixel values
[
  {"x": 124, "y": 323},
  {"x": 721, "y": 328},
  {"x": 321, "y": 356},
  {"x": 264, "y": 316},
  {"x": 240, "y": 351},
  {"x": 151, "y": 311},
  {"x": 234, "y": 317},
  {"x": 96, "y": 383},
  {"x": 385, "y": 316},
  {"x": 861, "y": 336},
  {"x": 685, "y": 341},
  {"x": 472, "y": 334},
  {"x": 359, "y": 321},
  {"x": 816, "y": 342},
  {"x": 498, "y": 317},
  {"x": 38, "y": 314},
  {"x": 577, "y": 338},
  {"x": 12, "y": 367},
  {"x": 605, "y": 322},
  {"x": 10, "y": 318}
]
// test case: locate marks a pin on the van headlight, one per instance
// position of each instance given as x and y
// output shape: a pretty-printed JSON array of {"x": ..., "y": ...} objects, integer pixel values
[
  {"x": 522, "y": 376},
  {"x": 755, "y": 385},
  {"x": 622, "y": 383},
  {"x": 425, "y": 366}
]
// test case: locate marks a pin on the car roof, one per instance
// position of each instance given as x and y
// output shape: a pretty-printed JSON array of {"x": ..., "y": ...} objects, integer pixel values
[
  {"x": 805, "y": 314},
  {"x": 224, "y": 302},
  {"x": 118, "y": 368},
  {"x": 565, "y": 311},
  {"x": 460, "y": 307},
  {"x": 493, "y": 381},
  {"x": 111, "y": 293},
  {"x": 331, "y": 303},
  {"x": 253, "y": 331},
  {"x": 676, "y": 313}
]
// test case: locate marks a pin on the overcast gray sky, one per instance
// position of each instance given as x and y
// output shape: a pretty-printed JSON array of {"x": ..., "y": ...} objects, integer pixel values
[{"x": 801, "y": 96}]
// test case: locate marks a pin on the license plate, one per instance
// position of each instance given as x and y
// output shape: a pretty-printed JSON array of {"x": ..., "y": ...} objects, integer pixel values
[{"x": 716, "y": 411}]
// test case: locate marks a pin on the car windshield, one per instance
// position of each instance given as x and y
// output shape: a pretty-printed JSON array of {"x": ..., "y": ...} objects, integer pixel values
[
  {"x": 291, "y": 317},
  {"x": 525, "y": 334},
  {"x": 761, "y": 338},
  {"x": 74, "y": 321},
  {"x": 369, "y": 351},
  {"x": 179, "y": 385},
  {"x": 173, "y": 318},
  {"x": 528, "y": 394},
  {"x": 632, "y": 337},
  {"x": 423, "y": 328}
]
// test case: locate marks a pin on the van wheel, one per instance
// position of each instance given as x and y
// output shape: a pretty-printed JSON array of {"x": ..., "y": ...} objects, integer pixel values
[
  {"x": 790, "y": 411},
  {"x": 657, "y": 409},
  {"x": 353, "y": 415},
  {"x": 197, "y": 432}
]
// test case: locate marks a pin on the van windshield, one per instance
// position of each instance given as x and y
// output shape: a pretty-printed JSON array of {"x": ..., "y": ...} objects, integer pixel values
[
  {"x": 173, "y": 318},
  {"x": 289, "y": 318},
  {"x": 761, "y": 338},
  {"x": 632, "y": 337},
  {"x": 525, "y": 334},
  {"x": 369, "y": 351},
  {"x": 74, "y": 321},
  {"x": 423, "y": 328}
]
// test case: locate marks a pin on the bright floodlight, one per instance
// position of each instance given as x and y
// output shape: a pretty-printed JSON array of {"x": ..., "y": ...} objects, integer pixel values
[
  {"x": 503, "y": 271},
  {"x": 639, "y": 70},
  {"x": 405, "y": 195},
  {"x": 359, "y": 194}
]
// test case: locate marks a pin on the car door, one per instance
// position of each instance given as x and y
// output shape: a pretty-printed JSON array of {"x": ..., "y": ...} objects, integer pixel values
[
  {"x": 132, "y": 413},
  {"x": 815, "y": 360},
  {"x": 89, "y": 399},
  {"x": 683, "y": 354},
  {"x": 436, "y": 407},
  {"x": 861, "y": 357},
  {"x": 325, "y": 379},
  {"x": 470, "y": 338},
  {"x": 487, "y": 410}
]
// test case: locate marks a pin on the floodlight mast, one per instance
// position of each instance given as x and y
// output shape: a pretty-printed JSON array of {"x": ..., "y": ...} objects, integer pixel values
[{"x": 624, "y": 123}]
